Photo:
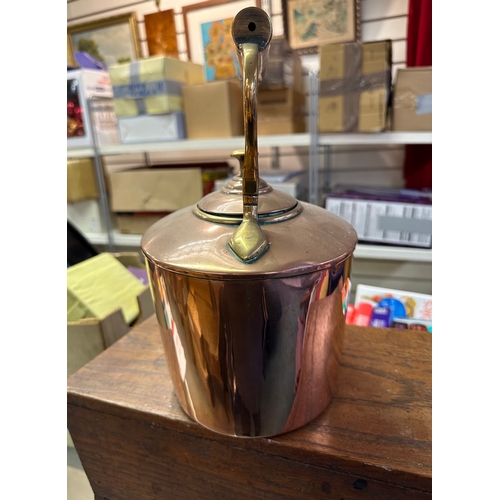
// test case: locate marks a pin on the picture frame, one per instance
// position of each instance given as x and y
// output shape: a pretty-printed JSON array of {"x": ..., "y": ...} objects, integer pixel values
[
  {"x": 207, "y": 26},
  {"x": 110, "y": 40},
  {"x": 69, "y": 53},
  {"x": 161, "y": 35},
  {"x": 308, "y": 24}
]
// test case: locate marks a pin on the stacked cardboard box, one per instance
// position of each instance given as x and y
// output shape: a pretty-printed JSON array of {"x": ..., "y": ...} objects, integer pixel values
[
  {"x": 283, "y": 68},
  {"x": 213, "y": 109},
  {"x": 82, "y": 184},
  {"x": 280, "y": 111},
  {"x": 412, "y": 101},
  {"x": 355, "y": 86},
  {"x": 140, "y": 197},
  {"x": 281, "y": 101},
  {"x": 147, "y": 96}
]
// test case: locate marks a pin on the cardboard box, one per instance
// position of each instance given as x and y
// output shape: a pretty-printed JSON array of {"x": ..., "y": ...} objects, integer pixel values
[
  {"x": 152, "y": 128},
  {"x": 283, "y": 68},
  {"x": 137, "y": 223},
  {"x": 280, "y": 111},
  {"x": 279, "y": 104},
  {"x": 399, "y": 217},
  {"x": 81, "y": 181},
  {"x": 282, "y": 127},
  {"x": 87, "y": 338},
  {"x": 354, "y": 87},
  {"x": 412, "y": 101},
  {"x": 213, "y": 109},
  {"x": 155, "y": 189},
  {"x": 84, "y": 85},
  {"x": 86, "y": 216},
  {"x": 152, "y": 86}
]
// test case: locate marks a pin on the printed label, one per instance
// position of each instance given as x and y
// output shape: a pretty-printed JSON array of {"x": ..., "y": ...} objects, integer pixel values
[
  {"x": 424, "y": 104},
  {"x": 365, "y": 216},
  {"x": 141, "y": 90}
]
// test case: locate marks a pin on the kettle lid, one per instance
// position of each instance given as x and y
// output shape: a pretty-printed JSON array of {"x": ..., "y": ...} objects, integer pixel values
[{"x": 226, "y": 205}]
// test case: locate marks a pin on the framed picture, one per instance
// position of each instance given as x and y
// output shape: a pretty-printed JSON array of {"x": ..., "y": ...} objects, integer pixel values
[
  {"x": 208, "y": 36},
  {"x": 111, "y": 40},
  {"x": 161, "y": 34},
  {"x": 69, "y": 52},
  {"x": 311, "y": 23}
]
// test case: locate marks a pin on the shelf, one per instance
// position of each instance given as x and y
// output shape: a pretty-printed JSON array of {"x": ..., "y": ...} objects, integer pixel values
[
  {"x": 80, "y": 153},
  {"x": 229, "y": 143},
  {"x": 375, "y": 138},
  {"x": 362, "y": 251},
  {"x": 233, "y": 143}
]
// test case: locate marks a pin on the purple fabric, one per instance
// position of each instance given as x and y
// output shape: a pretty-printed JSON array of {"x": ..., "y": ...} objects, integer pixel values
[
  {"x": 85, "y": 60},
  {"x": 140, "y": 274}
]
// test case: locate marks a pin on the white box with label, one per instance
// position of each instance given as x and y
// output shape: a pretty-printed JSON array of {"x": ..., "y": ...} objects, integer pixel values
[
  {"x": 89, "y": 94},
  {"x": 397, "y": 223}
]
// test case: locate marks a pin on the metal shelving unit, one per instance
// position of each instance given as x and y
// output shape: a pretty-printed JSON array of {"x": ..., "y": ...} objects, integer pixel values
[
  {"x": 313, "y": 140},
  {"x": 382, "y": 138},
  {"x": 362, "y": 251}
]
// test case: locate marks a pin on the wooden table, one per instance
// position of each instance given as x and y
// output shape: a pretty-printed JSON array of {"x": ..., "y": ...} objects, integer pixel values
[{"x": 373, "y": 441}]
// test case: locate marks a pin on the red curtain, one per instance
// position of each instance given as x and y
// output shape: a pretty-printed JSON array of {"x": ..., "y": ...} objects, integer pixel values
[{"x": 418, "y": 157}]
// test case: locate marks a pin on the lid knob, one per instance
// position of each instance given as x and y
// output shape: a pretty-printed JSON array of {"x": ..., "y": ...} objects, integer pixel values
[{"x": 252, "y": 32}]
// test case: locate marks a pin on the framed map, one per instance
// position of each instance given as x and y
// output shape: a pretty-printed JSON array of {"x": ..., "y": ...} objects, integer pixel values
[{"x": 311, "y": 23}]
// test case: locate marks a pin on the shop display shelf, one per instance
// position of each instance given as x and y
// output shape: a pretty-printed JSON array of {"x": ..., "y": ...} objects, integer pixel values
[
  {"x": 80, "y": 153},
  {"x": 314, "y": 141},
  {"x": 375, "y": 138},
  {"x": 363, "y": 251},
  {"x": 233, "y": 143}
]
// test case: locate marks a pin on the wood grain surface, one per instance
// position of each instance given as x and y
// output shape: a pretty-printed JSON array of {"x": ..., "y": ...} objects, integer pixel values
[{"x": 373, "y": 441}]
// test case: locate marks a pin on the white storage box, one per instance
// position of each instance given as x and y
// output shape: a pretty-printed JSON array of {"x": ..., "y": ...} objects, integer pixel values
[
  {"x": 84, "y": 85},
  {"x": 86, "y": 216},
  {"x": 398, "y": 217},
  {"x": 152, "y": 128}
]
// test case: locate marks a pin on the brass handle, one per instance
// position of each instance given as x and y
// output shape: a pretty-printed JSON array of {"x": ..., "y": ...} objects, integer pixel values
[{"x": 252, "y": 32}]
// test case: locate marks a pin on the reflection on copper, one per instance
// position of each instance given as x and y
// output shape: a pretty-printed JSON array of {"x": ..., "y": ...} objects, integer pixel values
[{"x": 259, "y": 357}]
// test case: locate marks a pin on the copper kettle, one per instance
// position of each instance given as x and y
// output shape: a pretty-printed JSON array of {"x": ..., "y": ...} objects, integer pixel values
[{"x": 250, "y": 288}]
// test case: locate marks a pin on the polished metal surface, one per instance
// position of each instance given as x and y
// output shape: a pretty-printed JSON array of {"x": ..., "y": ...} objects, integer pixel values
[
  {"x": 252, "y": 33},
  {"x": 225, "y": 203},
  {"x": 271, "y": 218},
  {"x": 186, "y": 244},
  {"x": 252, "y": 333},
  {"x": 235, "y": 185},
  {"x": 252, "y": 357},
  {"x": 249, "y": 241}
]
